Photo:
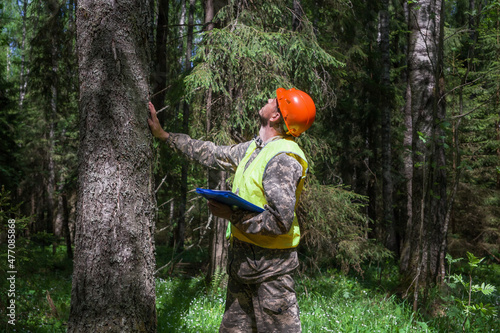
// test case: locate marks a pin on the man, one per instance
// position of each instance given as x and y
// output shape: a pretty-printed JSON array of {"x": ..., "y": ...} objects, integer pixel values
[{"x": 270, "y": 172}]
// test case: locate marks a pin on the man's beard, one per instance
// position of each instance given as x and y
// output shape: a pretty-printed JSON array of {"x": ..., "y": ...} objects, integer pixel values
[{"x": 263, "y": 121}]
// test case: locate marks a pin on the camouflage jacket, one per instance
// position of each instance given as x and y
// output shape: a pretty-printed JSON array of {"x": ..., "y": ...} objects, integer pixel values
[{"x": 279, "y": 182}]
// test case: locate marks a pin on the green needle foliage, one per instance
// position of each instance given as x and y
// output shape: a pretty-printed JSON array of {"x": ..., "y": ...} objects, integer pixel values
[
  {"x": 335, "y": 230},
  {"x": 255, "y": 52}
]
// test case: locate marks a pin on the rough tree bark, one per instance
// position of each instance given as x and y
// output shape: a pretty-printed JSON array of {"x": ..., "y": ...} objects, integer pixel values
[
  {"x": 425, "y": 238},
  {"x": 113, "y": 284}
]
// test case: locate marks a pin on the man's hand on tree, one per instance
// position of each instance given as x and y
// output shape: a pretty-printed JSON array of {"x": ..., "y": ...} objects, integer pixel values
[{"x": 154, "y": 124}]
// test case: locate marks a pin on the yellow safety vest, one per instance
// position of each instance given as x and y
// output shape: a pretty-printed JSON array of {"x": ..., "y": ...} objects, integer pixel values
[{"x": 248, "y": 184}]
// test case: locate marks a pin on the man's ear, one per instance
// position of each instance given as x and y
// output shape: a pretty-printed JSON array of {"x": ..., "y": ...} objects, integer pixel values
[{"x": 275, "y": 117}]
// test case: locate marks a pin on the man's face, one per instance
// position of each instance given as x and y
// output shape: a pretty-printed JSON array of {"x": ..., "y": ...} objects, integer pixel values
[{"x": 268, "y": 111}]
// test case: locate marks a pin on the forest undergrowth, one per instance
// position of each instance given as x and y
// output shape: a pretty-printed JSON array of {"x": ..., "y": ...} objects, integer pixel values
[{"x": 329, "y": 301}]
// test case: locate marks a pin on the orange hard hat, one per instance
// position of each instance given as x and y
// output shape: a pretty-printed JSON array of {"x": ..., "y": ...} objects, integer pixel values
[{"x": 297, "y": 108}]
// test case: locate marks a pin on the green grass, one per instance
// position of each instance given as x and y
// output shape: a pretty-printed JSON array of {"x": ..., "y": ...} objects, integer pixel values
[
  {"x": 329, "y": 302},
  {"x": 184, "y": 306},
  {"x": 336, "y": 303},
  {"x": 332, "y": 303},
  {"x": 40, "y": 273}
]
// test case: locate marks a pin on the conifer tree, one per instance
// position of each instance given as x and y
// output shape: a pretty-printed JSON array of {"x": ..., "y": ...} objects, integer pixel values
[
  {"x": 113, "y": 284},
  {"x": 253, "y": 51}
]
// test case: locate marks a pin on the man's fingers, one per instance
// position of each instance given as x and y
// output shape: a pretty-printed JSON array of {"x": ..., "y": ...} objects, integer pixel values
[
  {"x": 152, "y": 110},
  {"x": 220, "y": 209},
  {"x": 154, "y": 124},
  {"x": 214, "y": 203},
  {"x": 153, "y": 121}
]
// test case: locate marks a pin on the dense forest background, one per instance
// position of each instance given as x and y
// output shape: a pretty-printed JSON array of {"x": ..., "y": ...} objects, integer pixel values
[{"x": 394, "y": 170}]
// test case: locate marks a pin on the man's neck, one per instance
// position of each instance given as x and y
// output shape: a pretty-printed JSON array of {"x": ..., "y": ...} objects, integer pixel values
[{"x": 268, "y": 132}]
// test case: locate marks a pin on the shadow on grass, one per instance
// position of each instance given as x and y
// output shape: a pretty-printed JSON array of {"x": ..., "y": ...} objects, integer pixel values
[
  {"x": 42, "y": 290},
  {"x": 173, "y": 300},
  {"x": 175, "y": 289}
]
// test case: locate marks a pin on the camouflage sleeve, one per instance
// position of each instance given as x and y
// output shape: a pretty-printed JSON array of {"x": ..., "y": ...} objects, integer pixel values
[
  {"x": 280, "y": 181},
  {"x": 208, "y": 153}
]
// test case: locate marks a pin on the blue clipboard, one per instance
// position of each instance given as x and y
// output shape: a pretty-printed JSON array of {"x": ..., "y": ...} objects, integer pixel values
[{"x": 229, "y": 198}]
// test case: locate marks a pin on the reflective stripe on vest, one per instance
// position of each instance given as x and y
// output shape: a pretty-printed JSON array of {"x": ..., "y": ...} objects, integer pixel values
[{"x": 248, "y": 183}]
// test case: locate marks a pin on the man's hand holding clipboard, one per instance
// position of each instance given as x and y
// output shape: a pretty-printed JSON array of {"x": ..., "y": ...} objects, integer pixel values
[{"x": 222, "y": 203}]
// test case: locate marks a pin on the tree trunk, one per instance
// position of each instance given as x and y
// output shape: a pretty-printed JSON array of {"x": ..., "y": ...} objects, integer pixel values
[
  {"x": 298, "y": 12},
  {"x": 182, "y": 23},
  {"x": 497, "y": 99},
  {"x": 387, "y": 185},
  {"x": 181, "y": 224},
  {"x": 425, "y": 238},
  {"x": 408, "y": 175},
  {"x": 209, "y": 14},
  {"x": 22, "y": 79},
  {"x": 218, "y": 242},
  {"x": 66, "y": 230},
  {"x": 179, "y": 229},
  {"x": 113, "y": 283},
  {"x": 51, "y": 120},
  {"x": 59, "y": 216},
  {"x": 159, "y": 75},
  {"x": 216, "y": 179},
  {"x": 369, "y": 177}
]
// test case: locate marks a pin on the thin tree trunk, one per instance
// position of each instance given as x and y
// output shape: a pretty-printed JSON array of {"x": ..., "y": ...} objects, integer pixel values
[
  {"x": 181, "y": 224},
  {"x": 408, "y": 173},
  {"x": 23, "y": 82},
  {"x": 369, "y": 177},
  {"x": 179, "y": 229},
  {"x": 497, "y": 100},
  {"x": 408, "y": 160},
  {"x": 59, "y": 216},
  {"x": 113, "y": 283},
  {"x": 66, "y": 230},
  {"x": 51, "y": 182},
  {"x": 297, "y": 15},
  {"x": 387, "y": 185},
  {"x": 182, "y": 22},
  {"x": 159, "y": 75},
  {"x": 218, "y": 242},
  {"x": 189, "y": 44},
  {"x": 209, "y": 15},
  {"x": 216, "y": 179}
]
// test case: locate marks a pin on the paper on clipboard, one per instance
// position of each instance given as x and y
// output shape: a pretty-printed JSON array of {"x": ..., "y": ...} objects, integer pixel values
[{"x": 230, "y": 199}]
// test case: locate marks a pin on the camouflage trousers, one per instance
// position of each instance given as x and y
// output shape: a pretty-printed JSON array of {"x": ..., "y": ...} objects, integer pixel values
[{"x": 260, "y": 305}]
